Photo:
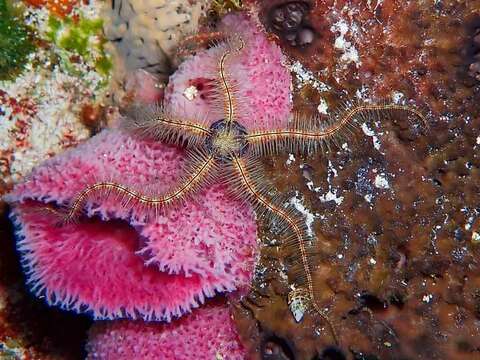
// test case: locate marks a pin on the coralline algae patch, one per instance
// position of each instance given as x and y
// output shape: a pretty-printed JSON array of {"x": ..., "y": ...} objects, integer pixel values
[{"x": 40, "y": 108}]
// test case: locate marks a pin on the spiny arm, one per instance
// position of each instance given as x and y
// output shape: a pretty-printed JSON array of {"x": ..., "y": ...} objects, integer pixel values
[
  {"x": 153, "y": 121},
  {"x": 310, "y": 135},
  {"x": 248, "y": 183},
  {"x": 201, "y": 169},
  {"x": 235, "y": 45}
]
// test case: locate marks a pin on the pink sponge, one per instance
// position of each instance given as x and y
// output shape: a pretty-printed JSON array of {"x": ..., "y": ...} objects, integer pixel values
[
  {"x": 261, "y": 80},
  {"x": 116, "y": 263},
  {"x": 207, "y": 334}
]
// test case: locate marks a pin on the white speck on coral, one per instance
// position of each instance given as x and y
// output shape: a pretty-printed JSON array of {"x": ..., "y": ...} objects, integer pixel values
[
  {"x": 381, "y": 181},
  {"x": 331, "y": 196},
  {"x": 290, "y": 159},
  {"x": 362, "y": 94},
  {"x": 372, "y": 261},
  {"x": 478, "y": 140},
  {"x": 340, "y": 256},
  {"x": 427, "y": 298},
  {"x": 322, "y": 106},
  {"x": 397, "y": 96},
  {"x": 372, "y": 240},
  {"x": 332, "y": 169},
  {"x": 368, "y": 198},
  {"x": 475, "y": 237},
  {"x": 350, "y": 53},
  {"x": 190, "y": 92},
  {"x": 297, "y": 202},
  {"x": 305, "y": 76},
  {"x": 469, "y": 223},
  {"x": 369, "y": 132},
  {"x": 312, "y": 187}
]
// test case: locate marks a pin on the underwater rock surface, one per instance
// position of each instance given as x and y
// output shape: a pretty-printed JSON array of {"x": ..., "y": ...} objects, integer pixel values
[{"x": 395, "y": 209}]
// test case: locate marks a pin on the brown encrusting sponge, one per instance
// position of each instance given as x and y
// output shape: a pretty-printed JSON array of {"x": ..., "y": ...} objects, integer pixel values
[{"x": 395, "y": 209}]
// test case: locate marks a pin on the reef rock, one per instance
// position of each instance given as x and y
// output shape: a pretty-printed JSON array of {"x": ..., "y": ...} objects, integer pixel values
[{"x": 395, "y": 208}]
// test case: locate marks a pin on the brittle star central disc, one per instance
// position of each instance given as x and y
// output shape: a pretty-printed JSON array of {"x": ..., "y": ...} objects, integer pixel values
[{"x": 227, "y": 139}]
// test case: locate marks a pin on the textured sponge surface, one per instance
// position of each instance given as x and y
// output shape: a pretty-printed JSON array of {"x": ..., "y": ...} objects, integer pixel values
[
  {"x": 207, "y": 334},
  {"x": 258, "y": 75},
  {"x": 116, "y": 263}
]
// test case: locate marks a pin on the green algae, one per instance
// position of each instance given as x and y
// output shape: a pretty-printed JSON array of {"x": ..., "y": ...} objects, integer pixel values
[
  {"x": 80, "y": 37},
  {"x": 15, "y": 43}
]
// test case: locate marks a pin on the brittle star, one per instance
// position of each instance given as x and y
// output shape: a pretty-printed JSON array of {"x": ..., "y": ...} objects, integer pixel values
[{"x": 227, "y": 152}]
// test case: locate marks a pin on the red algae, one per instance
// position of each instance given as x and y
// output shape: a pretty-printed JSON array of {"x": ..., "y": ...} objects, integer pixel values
[{"x": 60, "y": 8}]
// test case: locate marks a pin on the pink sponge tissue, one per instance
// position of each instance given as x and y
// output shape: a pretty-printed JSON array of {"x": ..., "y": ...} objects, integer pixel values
[
  {"x": 207, "y": 334},
  {"x": 114, "y": 263},
  {"x": 261, "y": 80}
]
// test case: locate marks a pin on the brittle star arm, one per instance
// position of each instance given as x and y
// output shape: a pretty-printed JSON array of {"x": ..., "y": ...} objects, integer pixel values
[
  {"x": 309, "y": 135},
  {"x": 228, "y": 87},
  {"x": 154, "y": 121},
  {"x": 201, "y": 169},
  {"x": 189, "y": 44},
  {"x": 247, "y": 184}
]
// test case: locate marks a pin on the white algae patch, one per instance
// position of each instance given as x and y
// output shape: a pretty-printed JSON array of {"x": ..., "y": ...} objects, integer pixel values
[
  {"x": 349, "y": 52},
  {"x": 332, "y": 193},
  {"x": 304, "y": 76},
  {"x": 370, "y": 133},
  {"x": 290, "y": 160},
  {"x": 331, "y": 196},
  {"x": 381, "y": 181},
  {"x": 297, "y": 202},
  {"x": 323, "y": 106}
]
